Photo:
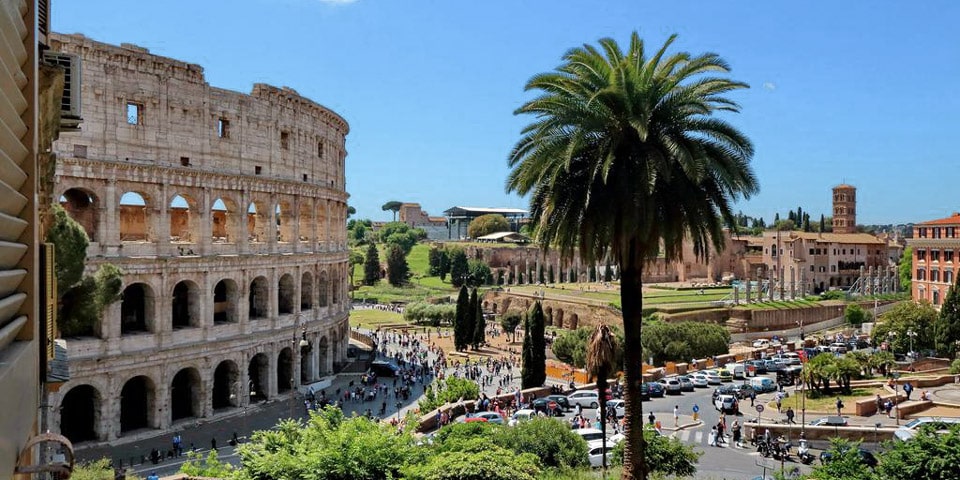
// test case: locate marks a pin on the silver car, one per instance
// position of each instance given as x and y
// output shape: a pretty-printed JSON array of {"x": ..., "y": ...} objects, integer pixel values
[
  {"x": 686, "y": 383},
  {"x": 671, "y": 385}
]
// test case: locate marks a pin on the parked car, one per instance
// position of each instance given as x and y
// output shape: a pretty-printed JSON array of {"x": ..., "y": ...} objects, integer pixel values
[
  {"x": 831, "y": 421},
  {"x": 727, "y": 404},
  {"x": 761, "y": 343},
  {"x": 491, "y": 417},
  {"x": 671, "y": 385},
  {"x": 699, "y": 380},
  {"x": 865, "y": 456},
  {"x": 763, "y": 385},
  {"x": 617, "y": 406},
  {"x": 584, "y": 398},
  {"x": 644, "y": 391},
  {"x": 686, "y": 384},
  {"x": 549, "y": 407},
  {"x": 744, "y": 390},
  {"x": 562, "y": 400},
  {"x": 759, "y": 366},
  {"x": 773, "y": 366},
  {"x": 712, "y": 377},
  {"x": 725, "y": 375},
  {"x": 739, "y": 371},
  {"x": 589, "y": 434},
  {"x": 656, "y": 390},
  {"x": 596, "y": 452},
  {"x": 907, "y": 431},
  {"x": 521, "y": 416},
  {"x": 725, "y": 390}
]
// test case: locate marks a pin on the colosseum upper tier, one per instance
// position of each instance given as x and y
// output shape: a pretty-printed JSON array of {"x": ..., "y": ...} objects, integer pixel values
[{"x": 226, "y": 213}]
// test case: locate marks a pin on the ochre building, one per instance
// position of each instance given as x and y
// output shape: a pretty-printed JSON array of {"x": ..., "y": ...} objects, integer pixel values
[
  {"x": 226, "y": 213},
  {"x": 936, "y": 253}
]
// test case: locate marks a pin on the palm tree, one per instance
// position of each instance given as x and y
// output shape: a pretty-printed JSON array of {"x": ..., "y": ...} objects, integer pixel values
[
  {"x": 601, "y": 354},
  {"x": 625, "y": 157}
]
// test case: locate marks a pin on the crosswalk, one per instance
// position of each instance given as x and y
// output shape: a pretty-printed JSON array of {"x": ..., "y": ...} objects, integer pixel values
[{"x": 699, "y": 437}]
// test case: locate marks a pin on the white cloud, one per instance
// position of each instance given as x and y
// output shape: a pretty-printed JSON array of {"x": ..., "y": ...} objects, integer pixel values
[{"x": 769, "y": 86}]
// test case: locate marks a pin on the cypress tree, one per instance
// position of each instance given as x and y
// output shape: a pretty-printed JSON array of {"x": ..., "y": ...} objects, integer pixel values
[
  {"x": 607, "y": 272},
  {"x": 459, "y": 268},
  {"x": 460, "y": 335},
  {"x": 550, "y": 274},
  {"x": 534, "y": 372},
  {"x": 823, "y": 223},
  {"x": 526, "y": 355},
  {"x": 471, "y": 320},
  {"x": 397, "y": 268},
  {"x": 371, "y": 265},
  {"x": 593, "y": 273},
  {"x": 480, "y": 323}
]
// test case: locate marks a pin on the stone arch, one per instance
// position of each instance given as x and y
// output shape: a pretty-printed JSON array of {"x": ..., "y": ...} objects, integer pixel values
[
  {"x": 80, "y": 413},
  {"x": 285, "y": 220},
  {"x": 82, "y": 206},
  {"x": 186, "y": 305},
  {"x": 224, "y": 213},
  {"x": 259, "y": 298},
  {"x": 506, "y": 304},
  {"x": 306, "y": 365},
  {"x": 138, "y": 309},
  {"x": 285, "y": 370},
  {"x": 258, "y": 219},
  {"x": 226, "y": 385},
  {"x": 323, "y": 351},
  {"x": 324, "y": 289},
  {"x": 184, "y": 218},
  {"x": 548, "y": 313},
  {"x": 285, "y": 292},
  {"x": 306, "y": 291},
  {"x": 573, "y": 322},
  {"x": 258, "y": 373},
  {"x": 322, "y": 224},
  {"x": 558, "y": 317},
  {"x": 185, "y": 394},
  {"x": 135, "y": 221},
  {"x": 138, "y": 404},
  {"x": 226, "y": 297},
  {"x": 305, "y": 221}
]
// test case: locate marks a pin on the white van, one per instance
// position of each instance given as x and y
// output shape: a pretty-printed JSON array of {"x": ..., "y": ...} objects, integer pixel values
[
  {"x": 738, "y": 371},
  {"x": 763, "y": 385}
]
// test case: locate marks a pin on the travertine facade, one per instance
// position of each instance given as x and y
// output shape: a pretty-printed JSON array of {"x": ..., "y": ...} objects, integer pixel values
[{"x": 226, "y": 213}]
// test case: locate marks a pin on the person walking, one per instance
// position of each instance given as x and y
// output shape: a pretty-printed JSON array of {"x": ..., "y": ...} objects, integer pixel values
[
  {"x": 652, "y": 418},
  {"x": 736, "y": 434},
  {"x": 753, "y": 397},
  {"x": 720, "y": 432},
  {"x": 676, "y": 415},
  {"x": 712, "y": 441},
  {"x": 839, "y": 406},
  {"x": 790, "y": 415}
]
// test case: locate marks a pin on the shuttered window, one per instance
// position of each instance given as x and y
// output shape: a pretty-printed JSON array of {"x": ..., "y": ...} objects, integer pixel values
[{"x": 15, "y": 158}]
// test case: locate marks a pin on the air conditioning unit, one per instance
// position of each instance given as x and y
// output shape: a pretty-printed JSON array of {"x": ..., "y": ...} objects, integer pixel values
[{"x": 70, "y": 104}]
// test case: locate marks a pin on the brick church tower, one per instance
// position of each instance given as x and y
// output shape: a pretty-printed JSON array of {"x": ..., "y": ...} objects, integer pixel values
[{"x": 844, "y": 209}]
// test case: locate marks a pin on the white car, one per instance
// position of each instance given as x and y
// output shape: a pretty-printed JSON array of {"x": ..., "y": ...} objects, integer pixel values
[
  {"x": 761, "y": 343},
  {"x": 521, "y": 416},
  {"x": 584, "y": 398},
  {"x": 699, "y": 380},
  {"x": 713, "y": 378},
  {"x": 589, "y": 434},
  {"x": 617, "y": 406},
  {"x": 491, "y": 417},
  {"x": 595, "y": 452}
]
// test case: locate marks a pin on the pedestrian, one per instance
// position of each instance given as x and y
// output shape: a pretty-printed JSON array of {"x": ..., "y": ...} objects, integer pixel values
[
  {"x": 790, "y": 415},
  {"x": 753, "y": 397},
  {"x": 676, "y": 415},
  {"x": 879, "y": 404},
  {"x": 779, "y": 403},
  {"x": 908, "y": 389},
  {"x": 213, "y": 444},
  {"x": 712, "y": 441},
  {"x": 736, "y": 434},
  {"x": 652, "y": 418},
  {"x": 153, "y": 476},
  {"x": 839, "y": 406},
  {"x": 720, "y": 432}
]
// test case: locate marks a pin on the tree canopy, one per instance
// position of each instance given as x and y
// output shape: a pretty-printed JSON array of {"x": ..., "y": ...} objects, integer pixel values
[
  {"x": 487, "y": 224},
  {"x": 371, "y": 265},
  {"x": 393, "y": 206}
]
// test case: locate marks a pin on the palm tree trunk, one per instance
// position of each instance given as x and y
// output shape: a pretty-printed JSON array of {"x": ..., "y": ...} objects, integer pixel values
[
  {"x": 602, "y": 395},
  {"x": 631, "y": 301}
]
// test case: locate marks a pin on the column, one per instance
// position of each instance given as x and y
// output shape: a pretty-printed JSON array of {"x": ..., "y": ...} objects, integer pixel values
[
  {"x": 748, "y": 289},
  {"x": 793, "y": 283},
  {"x": 315, "y": 357},
  {"x": 272, "y": 231},
  {"x": 296, "y": 224},
  {"x": 243, "y": 237},
  {"x": 161, "y": 222},
  {"x": 162, "y": 412},
  {"x": 272, "y": 353},
  {"x": 108, "y": 232},
  {"x": 205, "y": 218}
]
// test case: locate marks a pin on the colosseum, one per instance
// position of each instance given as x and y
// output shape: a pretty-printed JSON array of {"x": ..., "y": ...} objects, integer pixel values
[{"x": 226, "y": 213}]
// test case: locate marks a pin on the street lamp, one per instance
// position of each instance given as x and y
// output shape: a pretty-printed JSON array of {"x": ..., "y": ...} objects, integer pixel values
[
  {"x": 911, "y": 334},
  {"x": 896, "y": 394},
  {"x": 876, "y": 430}
]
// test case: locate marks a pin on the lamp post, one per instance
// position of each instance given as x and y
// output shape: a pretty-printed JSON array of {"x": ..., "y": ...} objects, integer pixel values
[
  {"x": 876, "y": 431},
  {"x": 912, "y": 354},
  {"x": 896, "y": 394}
]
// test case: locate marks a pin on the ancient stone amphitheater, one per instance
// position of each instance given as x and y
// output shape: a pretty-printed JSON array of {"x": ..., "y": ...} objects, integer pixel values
[{"x": 226, "y": 213}]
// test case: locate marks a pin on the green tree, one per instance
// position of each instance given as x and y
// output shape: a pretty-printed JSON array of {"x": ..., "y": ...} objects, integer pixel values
[
  {"x": 479, "y": 272},
  {"x": 357, "y": 233},
  {"x": 209, "y": 466},
  {"x": 471, "y": 316},
  {"x": 930, "y": 454},
  {"x": 823, "y": 223},
  {"x": 846, "y": 463},
  {"x": 680, "y": 341},
  {"x": 487, "y": 224},
  {"x": 905, "y": 269},
  {"x": 947, "y": 325},
  {"x": 397, "y": 269},
  {"x": 607, "y": 121},
  {"x": 480, "y": 323},
  {"x": 356, "y": 258},
  {"x": 461, "y": 336},
  {"x": 459, "y": 268},
  {"x": 918, "y": 317},
  {"x": 449, "y": 390},
  {"x": 393, "y": 206},
  {"x": 955, "y": 366},
  {"x": 546, "y": 438},
  {"x": 601, "y": 360},
  {"x": 509, "y": 322},
  {"x": 433, "y": 260},
  {"x": 570, "y": 346},
  {"x": 882, "y": 361},
  {"x": 854, "y": 314},
  {"x": 399, "y": 233},
  {"x": 371, "y": 265},
  {"x": 490, "y": 463},
  {"x": 534, "y": 370},
  {"x": 665, "y": 455},
  {"x": 70, "y": 249},
  {"x": 444, "y": 267}
]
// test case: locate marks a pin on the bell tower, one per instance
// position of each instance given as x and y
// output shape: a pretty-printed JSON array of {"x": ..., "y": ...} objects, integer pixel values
[{"x": 844, "y": 209}]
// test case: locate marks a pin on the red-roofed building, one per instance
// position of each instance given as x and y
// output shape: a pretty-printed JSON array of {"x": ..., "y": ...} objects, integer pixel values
[{"x": 936, "y": 251}]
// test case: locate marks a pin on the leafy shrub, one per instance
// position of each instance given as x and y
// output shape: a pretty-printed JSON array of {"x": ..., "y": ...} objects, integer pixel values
[
  {"x": 450, "y": 390},
  {"x": 548, "y": 439}
]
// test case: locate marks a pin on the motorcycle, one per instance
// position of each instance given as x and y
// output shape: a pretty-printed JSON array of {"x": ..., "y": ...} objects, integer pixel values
[{"x": 803, "y": 452}]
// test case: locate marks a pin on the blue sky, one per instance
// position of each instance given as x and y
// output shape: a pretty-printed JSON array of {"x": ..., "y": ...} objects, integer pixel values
[{"x": 857, "y": 92}]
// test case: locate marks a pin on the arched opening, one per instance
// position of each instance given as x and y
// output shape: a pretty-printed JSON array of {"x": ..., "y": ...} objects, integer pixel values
[
  {"x": 324, "y": 287},
  {"x": 548, "y": 312},
  {"x": 257, "y": 221},
  {"x": 223, "y": 214},
  {"x": 184, "y": 219},
  {"x": 558, "y": 317},
  {"x": 134, "y": 226},
  {"x": 226, "y": 385},
  {"x": 285, "y": 370},
  {"x": 185, "y": 395},
  {"x": 936, "y": 297},
  {"x": 83, "y": 207},
  {"x": 80, "y": 413},
  {"x": 259, "y": 298},
  {"x": 305, "y": 219},
  {"x": 323, "y": 349},
  {"x": 306, "y": 292},
  {"x": 284, "y": 215},
  {"x": 574, "y": 321},
  {"x": 335, "y": 289},
  {"x": 285, "y": 295},
  {"x": 186, "y": 305},
  {"x": 137, "y": 404},
  {"x": 137, "y": 309},
  {"x": 306, "y": 365},
  {"x": 225, "y": 298},
  {"x": 258, "y": 372}
]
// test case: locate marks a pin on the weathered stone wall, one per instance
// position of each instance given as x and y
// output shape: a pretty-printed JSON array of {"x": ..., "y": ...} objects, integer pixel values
[
  {"x": 241, "y": 278},
  {"x": 559, "y": 314}
]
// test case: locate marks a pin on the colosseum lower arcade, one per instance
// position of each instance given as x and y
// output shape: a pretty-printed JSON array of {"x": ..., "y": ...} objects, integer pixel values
[{"x": 226, "y": 213}]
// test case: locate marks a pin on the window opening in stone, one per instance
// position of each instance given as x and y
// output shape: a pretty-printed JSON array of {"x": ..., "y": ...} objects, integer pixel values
[
  {"x": 285, "y": 140},
  {"x": 285, "y": 370},
  {"x": 184, "y": 222},
  {"x": 226, "y": 385},
  {"x": 223, "y": 215},
  {"x": 335, "y": 291},
  {"x": 259, "y": 298},
  {"x": 257, "y": 222},
  {"x": 133, "y": 218},
  {"x": 323, "y": 350},
  {"x": 306, "y": 364},
  {"x": 324, "y": 286},
  {"x": 134, "y": 113},
  {"x": 305, "y": 220},
  {"x": 285, "y": 295},
  {"x": 305, "y": 177},
  {"x": 136, "y": 404},
  {"x": 184, "y": 161},
  {"x": 80, "y": 414},
  {"x": 223, "y": 128},
  {"x": 257, "y": 170},
  {"x": 258, "y": 372},
  {"x": 80, "y": 151},
  {"x": 185, "y": 305},
  {"x": 185, "y": 395},
  {"x": 225, "y": 295},
  {"x": 320, "y": 149},
  {"x": 82, "y": 207},
  {"x": 136, "y": 309},
  {"x": 306, "y": 292},
  {"x": 284, "y": 214}
]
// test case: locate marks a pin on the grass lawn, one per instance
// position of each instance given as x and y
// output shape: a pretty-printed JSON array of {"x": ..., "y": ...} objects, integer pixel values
[
  {"x": 373, "y": 318},
  {"x": 827, "y": 403}
]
